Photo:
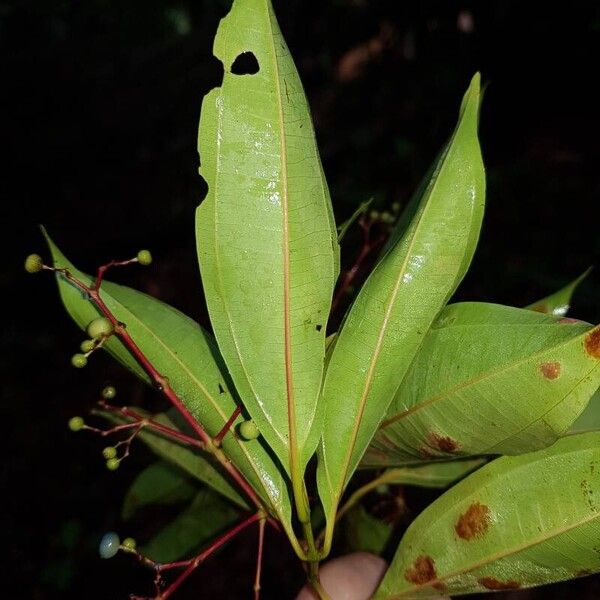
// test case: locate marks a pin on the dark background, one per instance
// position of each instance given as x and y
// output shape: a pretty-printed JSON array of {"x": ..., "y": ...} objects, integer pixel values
[{"x": 101, "y": 103}]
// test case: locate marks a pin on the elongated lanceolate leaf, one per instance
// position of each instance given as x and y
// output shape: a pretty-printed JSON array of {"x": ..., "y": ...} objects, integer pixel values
[
  {"x": 202, "y": 521},
  {"x": 517, "y": 522},
  {"x": 180, "y": 350},
  {"x": 489, "y": 379},
  {"x": 559, "y": 302},
  {"x": 428, "y": 256},
  {"x": 266, "y": 239}
]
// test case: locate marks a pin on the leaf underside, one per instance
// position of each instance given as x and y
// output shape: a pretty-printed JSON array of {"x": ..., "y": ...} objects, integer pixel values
[
  {"x": 426, "y": 258},
  {"x": 268, "y": 283},
  {"x": 488, "y": 379},
  {"x": 518, "y": 522}
]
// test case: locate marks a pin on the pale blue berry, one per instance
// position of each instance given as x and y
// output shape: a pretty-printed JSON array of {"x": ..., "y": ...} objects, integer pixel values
[{"x": 109, "y": 545}]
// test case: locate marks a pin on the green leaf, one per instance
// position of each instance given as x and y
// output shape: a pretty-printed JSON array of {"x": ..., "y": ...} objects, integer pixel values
[
  {"x": 427, "y": 258},
  {"x": 559, "y": 303},
  {"x": 364, "y": 532},
  {"x": 517, "y": 522},
  {"x": 182, "y": 351},
  {"x": 158, "y": 484},
  {"x": 202, "y": 521},
  {"x": 589, "y": 419},
  {"x": 433, "y": 475},
  {"x": 489, "y": 379},
  {"x": 196, "y": 463},
  {"x": 267, "y": 242}
]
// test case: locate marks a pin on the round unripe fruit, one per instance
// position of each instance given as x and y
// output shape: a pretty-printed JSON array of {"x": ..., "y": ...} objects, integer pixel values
[
  {"x": 129, "y": 544},
  {"x": 144, "y": 257},
  {"x": 109, "y": 545},
  {"x": 87, "y": 345},
  {"x": 249, "y": 430},
  {"x": 109, "y": 452},
  {"x": 79, "y": 361},
  {"x": 109, "y": 392},
  {"x": 99, "y": 327},
  {"x": 112, "y": 464},
  {"x": 76, "y": 423},
  {"x": 34, "y": 263}
]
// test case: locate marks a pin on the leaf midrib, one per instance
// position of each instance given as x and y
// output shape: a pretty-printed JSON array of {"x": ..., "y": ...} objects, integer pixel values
[
  {"x": 475, "y": 380},
  {"x": 498, "y": 556}
]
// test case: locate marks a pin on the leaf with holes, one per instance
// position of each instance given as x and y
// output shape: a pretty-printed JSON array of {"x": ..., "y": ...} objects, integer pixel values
[
  {"x": 429, "y": 254},
  {"x": 517, "y": 522},
  {"x": 182, "y": 351},
  {"x": 559, "y": 302},
  {"x": 489, "y": 379},
  {"x": 269, "y": 282}
]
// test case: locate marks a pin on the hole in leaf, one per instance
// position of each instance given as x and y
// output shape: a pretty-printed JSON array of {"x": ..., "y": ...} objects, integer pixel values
[
  {"x": 319, "y": 327},
  {"x": 245, "y": 64},
  {"x": 221, "y": 389}
]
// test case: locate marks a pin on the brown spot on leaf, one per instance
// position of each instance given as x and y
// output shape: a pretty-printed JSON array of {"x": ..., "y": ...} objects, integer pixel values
[
  {"x": 422, "y": 571},
  {"x": 584, "y": 573},
  {"x": 550, "y": 370},
  {"x": 568, "y": 321},
  {"x": 491, "y": 583},
  {"x": 425, "y": 452},
  {"x": 442, "y": 443},
  {"x": 541, "y": 308},
  {"x": 592, "y": 343},
  {"x": 473, "y": 523}
]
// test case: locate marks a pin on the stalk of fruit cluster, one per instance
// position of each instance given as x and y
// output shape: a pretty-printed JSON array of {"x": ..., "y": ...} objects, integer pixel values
[{"x": 161, "y": 382}]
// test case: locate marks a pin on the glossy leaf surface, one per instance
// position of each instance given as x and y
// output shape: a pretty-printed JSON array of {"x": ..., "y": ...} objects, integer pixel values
[
  {"x": 267, "y": 243},
  {"x": 559, "y": 302},
  {"x": 203, "y": 520},
  {"x": 517, "y": 522},
  {"x": 182, "y": 351},
  {"x": 429, "y": 254},
  {"x": 158, "y": 484},
  {"x": 489, "y": 379}
]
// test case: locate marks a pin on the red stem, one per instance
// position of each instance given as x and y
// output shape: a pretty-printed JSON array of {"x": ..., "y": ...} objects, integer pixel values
[
  {"x": 161, "y": 382},
  {"x": 152, "y": 424},
  {"x": 193, "y": 563},
  {"x": 261, "y": 541},
  {"x": 219, "y": 437}
]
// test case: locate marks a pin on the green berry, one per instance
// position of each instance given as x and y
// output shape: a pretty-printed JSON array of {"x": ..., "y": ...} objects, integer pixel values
[
  {"x": 112, "y": 464},
  {"x": 109, "y": 452},
  {"x": 395, "y": 207},
  {"x": 76, "y": 423},
  {"x": 374, "y": 214},
  {"x": 144, "y": 257},
  {"x": 100, "y": 327},
  {"x": 34, "y": 263},
  {"x": 79, "y": 361},
  {"x": 129, "y": 544},
  {"x": 109, "y": 392},
  {"x": 249, "y": 430},
  {"x": 87, "y": 345}
]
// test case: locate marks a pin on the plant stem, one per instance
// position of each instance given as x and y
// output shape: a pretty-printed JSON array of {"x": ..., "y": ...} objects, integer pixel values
[
  {"x": 259, "y": 556},
  {"x": 353, "y": 500},
  {"x": 161, "y": 382},
  {"x": 193, "y": 563}
]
